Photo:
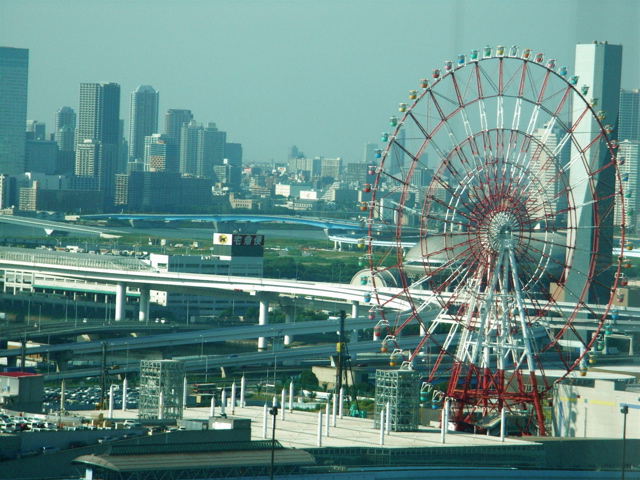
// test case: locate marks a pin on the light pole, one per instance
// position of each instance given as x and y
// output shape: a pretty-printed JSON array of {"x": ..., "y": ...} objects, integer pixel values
[
  {"x": 624, "y": 411},
  {"x": 274, "y": 412}
]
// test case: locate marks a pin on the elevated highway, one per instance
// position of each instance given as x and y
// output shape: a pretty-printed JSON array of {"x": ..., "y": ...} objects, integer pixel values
[{"x": 123, "y": 272}]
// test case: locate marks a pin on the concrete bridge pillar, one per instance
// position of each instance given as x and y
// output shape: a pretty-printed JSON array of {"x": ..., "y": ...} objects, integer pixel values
[
  {"x": 289, "y": 318},
  {"x": 121, "y": 297},
  {"x": 143, "y": 311},
  {"x": 12, "y": 361},
  {"x": 61, "y": 360},
  {"x": 263, "y": 319}
]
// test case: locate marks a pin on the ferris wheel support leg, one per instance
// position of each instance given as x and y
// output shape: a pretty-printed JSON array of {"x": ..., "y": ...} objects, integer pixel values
[
  {"x": 536, "y": 404},
  {"x": 486, "y": 383},
  {"x": 500, "y": 387}
]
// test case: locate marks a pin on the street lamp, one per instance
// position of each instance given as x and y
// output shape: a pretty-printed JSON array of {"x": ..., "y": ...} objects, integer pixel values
[
  {"x": 624, "y": 411},
  {"x": 274, "y": 412}
]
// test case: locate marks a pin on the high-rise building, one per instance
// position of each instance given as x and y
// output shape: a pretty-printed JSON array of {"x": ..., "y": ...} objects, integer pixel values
[
  {"x": 628, "y": 163},
  {"x": 598, "y": 65},
  {"x": 331, "y": 167},
  {"x": 211, "y": 143},
  {"x": 64, "y": 135},
  {"x": 189, "y": 147},
  {"x": 294, "y": 152},
  {"x": 160, "y": 154},
  {"x": 36, "y": 130},
  {"x": 394, "y": 164},
  {"x": 233, "y": 154},
  {"x": 546, "y": 163},
  {"x": 174, "y": 119},
  {"x": 143, "y": 119},
  {"x": 201, "y": 148},
  {"x": 99, "y": 130},
  {"x": 629, "y": 123},
  {"x": 369, "y": 154},
  {"x": 14, "y": 73},
  {"x": 65, "y": 116},
  {"x": 41, "y": 156}
]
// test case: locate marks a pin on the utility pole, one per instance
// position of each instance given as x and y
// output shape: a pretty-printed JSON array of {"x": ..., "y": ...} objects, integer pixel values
[
  {"x": 340, "y": 351},
  {"x": 103, "y": 379},
  {"x": 624, "y": 411},
  {"x": 274, "y": 412}
]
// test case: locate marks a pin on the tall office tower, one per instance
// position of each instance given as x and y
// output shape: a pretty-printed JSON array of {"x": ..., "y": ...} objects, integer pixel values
[
  {"x": 123, "y": 150},
  {"x": 598, "y": 65},
  {"x": 65, "y": 138},
  {"x": 14, "y": 73},
  {"x": 160, "y": 154},
  {"x": 211, "y": 142},
  {"x": 36, "y": 130},
  {"x": 174, "y": 119},
  {"x": 331, "y": 167},
  {"x": 41, "y": 156},
  {"x": 628, "y": 164},
  {"x": 294, "y": 152},
  {"x": 369, "y": 154},
  {"x": 99, "y": 122},
  {"x": 65, "y": 116},
  {"x": 629, "y": 123},
  {"x": 356, "y": 173},
  {"x": 189, "y": 147},
  {"x": 395, "y": 162},
  {"x": 64, "y": 135},
  {"x": 233, "y": 154},
  {"x": 546, "y": 162},
  {"x": 143, "y": 120}
]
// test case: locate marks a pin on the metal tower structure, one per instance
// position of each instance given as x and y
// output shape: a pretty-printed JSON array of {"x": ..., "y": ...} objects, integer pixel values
[
  {"x": 400, "y": 389},
  {"x": 161, "y": 389}
]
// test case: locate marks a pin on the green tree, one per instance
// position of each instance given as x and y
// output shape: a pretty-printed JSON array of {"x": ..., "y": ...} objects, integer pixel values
[{"x": 308, "y": 380}]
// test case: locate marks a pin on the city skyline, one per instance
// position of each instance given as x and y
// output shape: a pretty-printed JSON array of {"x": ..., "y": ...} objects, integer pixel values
[{"x": 324, "y": 76}]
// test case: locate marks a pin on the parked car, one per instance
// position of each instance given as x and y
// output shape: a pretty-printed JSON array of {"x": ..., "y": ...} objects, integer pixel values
[
  {"x": 131, "y": 424},
  {"x": 50, "y": 449}
]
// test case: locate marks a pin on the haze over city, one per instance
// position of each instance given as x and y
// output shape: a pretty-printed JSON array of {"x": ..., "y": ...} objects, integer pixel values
[{"x": 324, "y": 76}]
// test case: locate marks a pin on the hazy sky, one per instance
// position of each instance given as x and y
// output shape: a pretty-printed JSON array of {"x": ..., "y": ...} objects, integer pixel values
[{"x": 322, "y": 75}]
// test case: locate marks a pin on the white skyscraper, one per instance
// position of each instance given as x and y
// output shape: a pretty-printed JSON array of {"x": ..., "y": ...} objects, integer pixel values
[
  {"x": 629, "y": 124},
  {"x": 598, "y": 66},
  {"x": 143, "y": 119},
  {"x": 628, "y": 162}
]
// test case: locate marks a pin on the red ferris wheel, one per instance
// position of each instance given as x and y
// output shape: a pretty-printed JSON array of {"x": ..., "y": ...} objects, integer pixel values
[{"x": 503, "y": 171}]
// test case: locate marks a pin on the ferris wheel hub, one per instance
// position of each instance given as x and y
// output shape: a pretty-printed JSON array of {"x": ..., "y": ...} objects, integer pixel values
[{"x": 500, "y": 226}]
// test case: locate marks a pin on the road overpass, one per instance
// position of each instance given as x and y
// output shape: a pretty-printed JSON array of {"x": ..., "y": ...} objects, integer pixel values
[{"x": 123, "y": 272}]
